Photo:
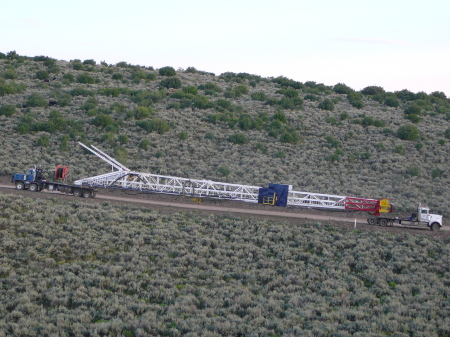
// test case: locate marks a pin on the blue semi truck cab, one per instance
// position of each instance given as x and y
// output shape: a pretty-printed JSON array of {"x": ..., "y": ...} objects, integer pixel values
[{"x": 33, "y": 180}]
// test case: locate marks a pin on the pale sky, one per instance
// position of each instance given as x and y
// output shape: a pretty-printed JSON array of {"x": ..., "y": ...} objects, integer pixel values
[{"x": 395, "y": 44}]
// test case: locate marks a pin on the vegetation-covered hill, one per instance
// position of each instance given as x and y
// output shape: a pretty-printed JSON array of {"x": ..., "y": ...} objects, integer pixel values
[
  {"x": 77, "y": 268},
  {"x": 240, "y": 128}
]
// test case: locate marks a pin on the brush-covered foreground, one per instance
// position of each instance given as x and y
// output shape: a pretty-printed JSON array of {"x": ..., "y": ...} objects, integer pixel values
[
  {"x": 239, "y": 128},
  {"x": 75, "y": 268}
]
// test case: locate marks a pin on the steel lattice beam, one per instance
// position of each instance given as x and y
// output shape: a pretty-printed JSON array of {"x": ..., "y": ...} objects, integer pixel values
[{"x": 124, "y": 178}]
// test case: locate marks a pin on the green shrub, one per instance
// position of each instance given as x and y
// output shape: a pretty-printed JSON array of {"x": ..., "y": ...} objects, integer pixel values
[
  {"x": 419, "y": 146},
  {"x": 210, "y": 87},
  {"x": 441, "y": 141},
  {"x": 370, "y": 121},
  {"x": 209, "y": 135},
  {"x": 289, "y": 92},
  {"x": 435, "y": 173},
  {"x": 9, "y": 75},
  {"x": 122, "y": 64},
  {"x": 408, "y": 132},
  {"x": 121, "y": 154},
  {"x": 291, "y": 137},
  {"x": 90, "y": 62},
  {"x": 405, "y": 95},
  {"x": 332, "y": 142},
  {"x": 413, "y": 109},
  {"x": 43, "y": 141},
  {"x": 413, "y": 118},
  {"x": 102, "y": 120},
  {"x": 343, "y": 116},
  {"x": 290, "y": 103},
  {"x": 118, "y": 107},
  {"x": 413, "y": 171},
  {"x": 399, "y": 149},
  {"x": 123, "y": 139},
  {"x": 150, "y": 77},
  {"x": 280, "y": 116},
  {"x": 80, "y": 91},
  {"x": 245, "y": 122},
  {"x": 155, "y": 125},
  {"x": 259, "y": 96},
  {"x": 183, "y": 135},
  {"x": 372, "y": 90},
  {"x": 285, "y": 82},
  {"x": 141, "y": 112},
  {"x": 280, "y": 154},
  {"x": 191, "y": 89},
  {"x": 447, "y": 133},
  {"x": 171, "y": 82},
  {"x": 224, "y": 171},
  {"x": 224, "y": 103},
  {"x": 144, "y": 144},
  {"x": 117, "y": 76},
  {"x": 261, "y": 147},
  {"x": 49, "y": 62},
  {"x": 77, "y": 65},
  {"x": 11, "y": 88},
  {"x": 91, "y": 103},
  {"x": 113, "y": 92},
  {"x": 439, "y": 94},
  {"x": 238, "y": 138},
  {"x": 326, "y": 104},
  {"x": 36, "y": 100},
  {"x": 392, "y": 102},
  {"x": 108, "y": 137},
  {"x": 159, "y": 154},
  {"x": 237, "y": 91},
  {"x": 64, "y": 143},
  {"x": 167, "y": 71},
  {"x": 42, "y": 75},
  {"x": 341, "y": 88},
  {"x": 69, "y": 77},
  {"x": 355, "y": 99},
  {"x": 333, "y": 120},
  {"x": 7, "y": 110},
  {"x": 202, "y": 102},
  {"x": 85, "y": 78}
]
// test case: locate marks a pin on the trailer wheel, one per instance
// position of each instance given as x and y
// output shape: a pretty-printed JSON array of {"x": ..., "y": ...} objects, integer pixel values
[
  {"x": 77, "y": 193},
  {"x": 87, "y": 194},
  {"x": 371, "y": 221},
  {"x": 383, "y": 222},
  {"x": 20, "y": 185},
  {"x": 33, "y": 188},
  {"x": 435, "y": 226}
]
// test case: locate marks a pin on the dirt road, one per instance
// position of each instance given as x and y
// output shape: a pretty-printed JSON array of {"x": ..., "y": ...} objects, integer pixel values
[{"x": 232, "y": 207}]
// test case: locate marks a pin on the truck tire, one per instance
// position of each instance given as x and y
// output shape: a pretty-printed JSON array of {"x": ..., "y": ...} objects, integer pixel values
[
  {"x": 371, "y": 221},
  {"x": 435, "y": 226},
  {"x": 20, "y": 185},
  {"x": 87, "y": 194},
  {"x": 77, "y": 192},
  {"x": 383, "y": 222},
  {"x": 33, "y": 188}
]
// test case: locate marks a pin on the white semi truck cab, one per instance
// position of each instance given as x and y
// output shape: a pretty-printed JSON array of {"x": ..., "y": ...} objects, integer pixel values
[{"x": 423, "y": 215}]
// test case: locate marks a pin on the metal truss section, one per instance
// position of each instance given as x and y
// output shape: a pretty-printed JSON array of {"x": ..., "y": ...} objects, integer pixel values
[
  {"x": 124, "y": 178},
  {"x": 316, "y": 200},
  {"x": 153, "y": 183}
]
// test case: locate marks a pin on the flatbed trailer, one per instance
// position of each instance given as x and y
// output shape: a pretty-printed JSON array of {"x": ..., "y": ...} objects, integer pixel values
[
  {"x": 423, "y": 218},
  {"x": 34, "y": 181}
]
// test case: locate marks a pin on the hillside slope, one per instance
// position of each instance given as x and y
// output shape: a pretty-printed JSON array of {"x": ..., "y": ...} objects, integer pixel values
[{"x": 239, "y": 128}]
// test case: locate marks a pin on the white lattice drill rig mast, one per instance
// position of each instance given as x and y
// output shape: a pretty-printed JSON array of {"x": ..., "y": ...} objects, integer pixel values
[{"x": 122, "y": 177}]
